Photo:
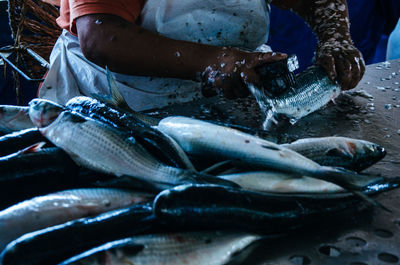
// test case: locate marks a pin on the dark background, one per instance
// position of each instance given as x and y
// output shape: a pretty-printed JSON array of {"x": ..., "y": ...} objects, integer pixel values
[{"x": 371, "y": 23}]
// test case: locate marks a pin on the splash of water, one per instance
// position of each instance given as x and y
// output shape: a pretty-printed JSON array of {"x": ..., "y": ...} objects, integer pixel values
[{"x": 267, "y": 110}]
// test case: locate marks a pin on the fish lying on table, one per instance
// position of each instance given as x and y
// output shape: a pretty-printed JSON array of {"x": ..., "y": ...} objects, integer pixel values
[
  {"x": 24, "y": 176},
  {"x": 16, "y": 141},
  {"x": 205, "y": 247},
  {"x": 14, "y": 118},
  {"x": 97, "y": 146},
  {"x": 343, "y": 152},
  {"x": 203, "y": 206},
  {"x": 200, "y": 138},
  {"x": 60, "y": 207},
  {"x": 57, "y": 243},
  {"x": 160, "y": 145}
]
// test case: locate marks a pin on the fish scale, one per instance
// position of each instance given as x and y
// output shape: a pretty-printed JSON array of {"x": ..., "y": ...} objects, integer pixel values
[
  {"x": 100, "y": 147},
  {"x": 112, "y": 153},
  {"x": 313, "y": 90},
  {"x": 198, "y": 137},
  {"x": 56, "y": 208},
  {"x": 206, "y": 247}
]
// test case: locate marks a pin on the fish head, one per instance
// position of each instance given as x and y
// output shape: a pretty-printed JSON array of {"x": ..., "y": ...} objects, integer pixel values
[
  {"x": 42, "y": 112},
  {"x": 367, "y": 154}
]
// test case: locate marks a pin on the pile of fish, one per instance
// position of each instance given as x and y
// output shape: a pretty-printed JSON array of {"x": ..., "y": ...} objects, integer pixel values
[{"x": 92, "y": 183}]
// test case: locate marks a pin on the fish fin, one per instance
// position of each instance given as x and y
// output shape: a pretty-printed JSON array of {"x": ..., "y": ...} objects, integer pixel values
[
  {"x": 114, "y": 98},
  {"x": 340, "y": 152},
  {"x": 352, "y": 182},
  {"x": 73, "y": 116},
  {"x": 220, "y": 166},
  {"x": 371, "y": 201},
  {"x": 33, "y": 148},
  {"x": 115, "y": 95}
]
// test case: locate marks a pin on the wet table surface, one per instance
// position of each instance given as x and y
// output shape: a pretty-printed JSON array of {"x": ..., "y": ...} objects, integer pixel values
[{"x": 368, "y": 238}]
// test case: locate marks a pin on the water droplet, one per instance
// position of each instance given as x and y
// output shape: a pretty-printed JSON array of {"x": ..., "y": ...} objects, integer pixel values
[
  {"x": 388, "y": 136},
  {"x": 394, "y": 98},
  {"x": 396, "y": 106},
  {"x": 368, "y": 83},
  {"x": 398, "y": 132},
  {"x": 98, "y": 22},
  {"x": 388, "y": 106},
  {"x": 367, "y": 121},
  {"x": 178, "y": 54},
  {"x": 223, "y": 65},
  {"x": 380, "y": 88}
]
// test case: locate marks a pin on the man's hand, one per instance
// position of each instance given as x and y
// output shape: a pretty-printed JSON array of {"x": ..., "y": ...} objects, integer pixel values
[
  {"x": 234, "y": 70},
  {"x": 342, "y": 61},
  {"x": 329, "y": 20}
]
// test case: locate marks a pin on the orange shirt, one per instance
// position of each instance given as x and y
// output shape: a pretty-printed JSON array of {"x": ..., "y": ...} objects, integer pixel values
[{"x": 70, "y": 10}]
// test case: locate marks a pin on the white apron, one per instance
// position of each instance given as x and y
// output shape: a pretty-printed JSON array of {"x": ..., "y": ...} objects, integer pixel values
[{"x": 236, "y": 23}]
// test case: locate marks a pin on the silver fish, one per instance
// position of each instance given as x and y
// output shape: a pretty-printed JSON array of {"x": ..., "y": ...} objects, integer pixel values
[
  {"x": 278, "y": 182},
  {"x": 206, "y": 139},
  {"x": 60, "y": 207},
  {"x": 343, "y": 152},
  {"x": 211, "y": 248},
  {"x": 14, "y": 118},
  {"x": 42, "y": 112},
  {"x": 98, "y": 146},
  {"x": 314, "y": 90}
]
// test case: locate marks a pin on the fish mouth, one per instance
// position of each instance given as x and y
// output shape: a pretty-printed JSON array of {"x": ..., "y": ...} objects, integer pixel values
[{"x": 41, "y": 121}]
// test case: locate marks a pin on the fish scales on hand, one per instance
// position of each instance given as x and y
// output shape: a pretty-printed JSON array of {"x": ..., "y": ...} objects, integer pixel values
[
  {"x": 201, "y": 138},
  {"x": 60, "y": 207},
  {"x": 100, "y": 147},
  {"x": 205, "y": 247},
  {"x": 57, "y": 243},
  {"x": 14, "y": 118},
  {"x": 343, "y": 152}
]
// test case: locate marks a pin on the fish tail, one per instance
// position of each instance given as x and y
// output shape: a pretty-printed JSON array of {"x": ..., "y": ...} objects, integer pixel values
[{"x": 352, "y": 182}]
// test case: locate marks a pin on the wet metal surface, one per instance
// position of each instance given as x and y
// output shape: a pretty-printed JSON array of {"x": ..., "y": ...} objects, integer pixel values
[{"x": 367, "y": 238}]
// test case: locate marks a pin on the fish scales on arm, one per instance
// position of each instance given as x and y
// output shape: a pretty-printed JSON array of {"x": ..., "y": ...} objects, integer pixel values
[
  {"x": 100, "y": 147},
  {"x": 200, "y": 248}
]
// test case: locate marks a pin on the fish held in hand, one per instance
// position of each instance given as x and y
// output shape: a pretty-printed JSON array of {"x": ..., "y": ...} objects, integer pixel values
[
  {"x": 343, "y": 152},
  {"x": 60, "y": 207},
  {"x": 205, "y": 247},
  {"x": 313, "y": 90},
  {"x": 14, "y": 118}
]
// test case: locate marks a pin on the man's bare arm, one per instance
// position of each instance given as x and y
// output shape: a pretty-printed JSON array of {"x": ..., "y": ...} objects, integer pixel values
[{"x": 127, "y": 48}]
